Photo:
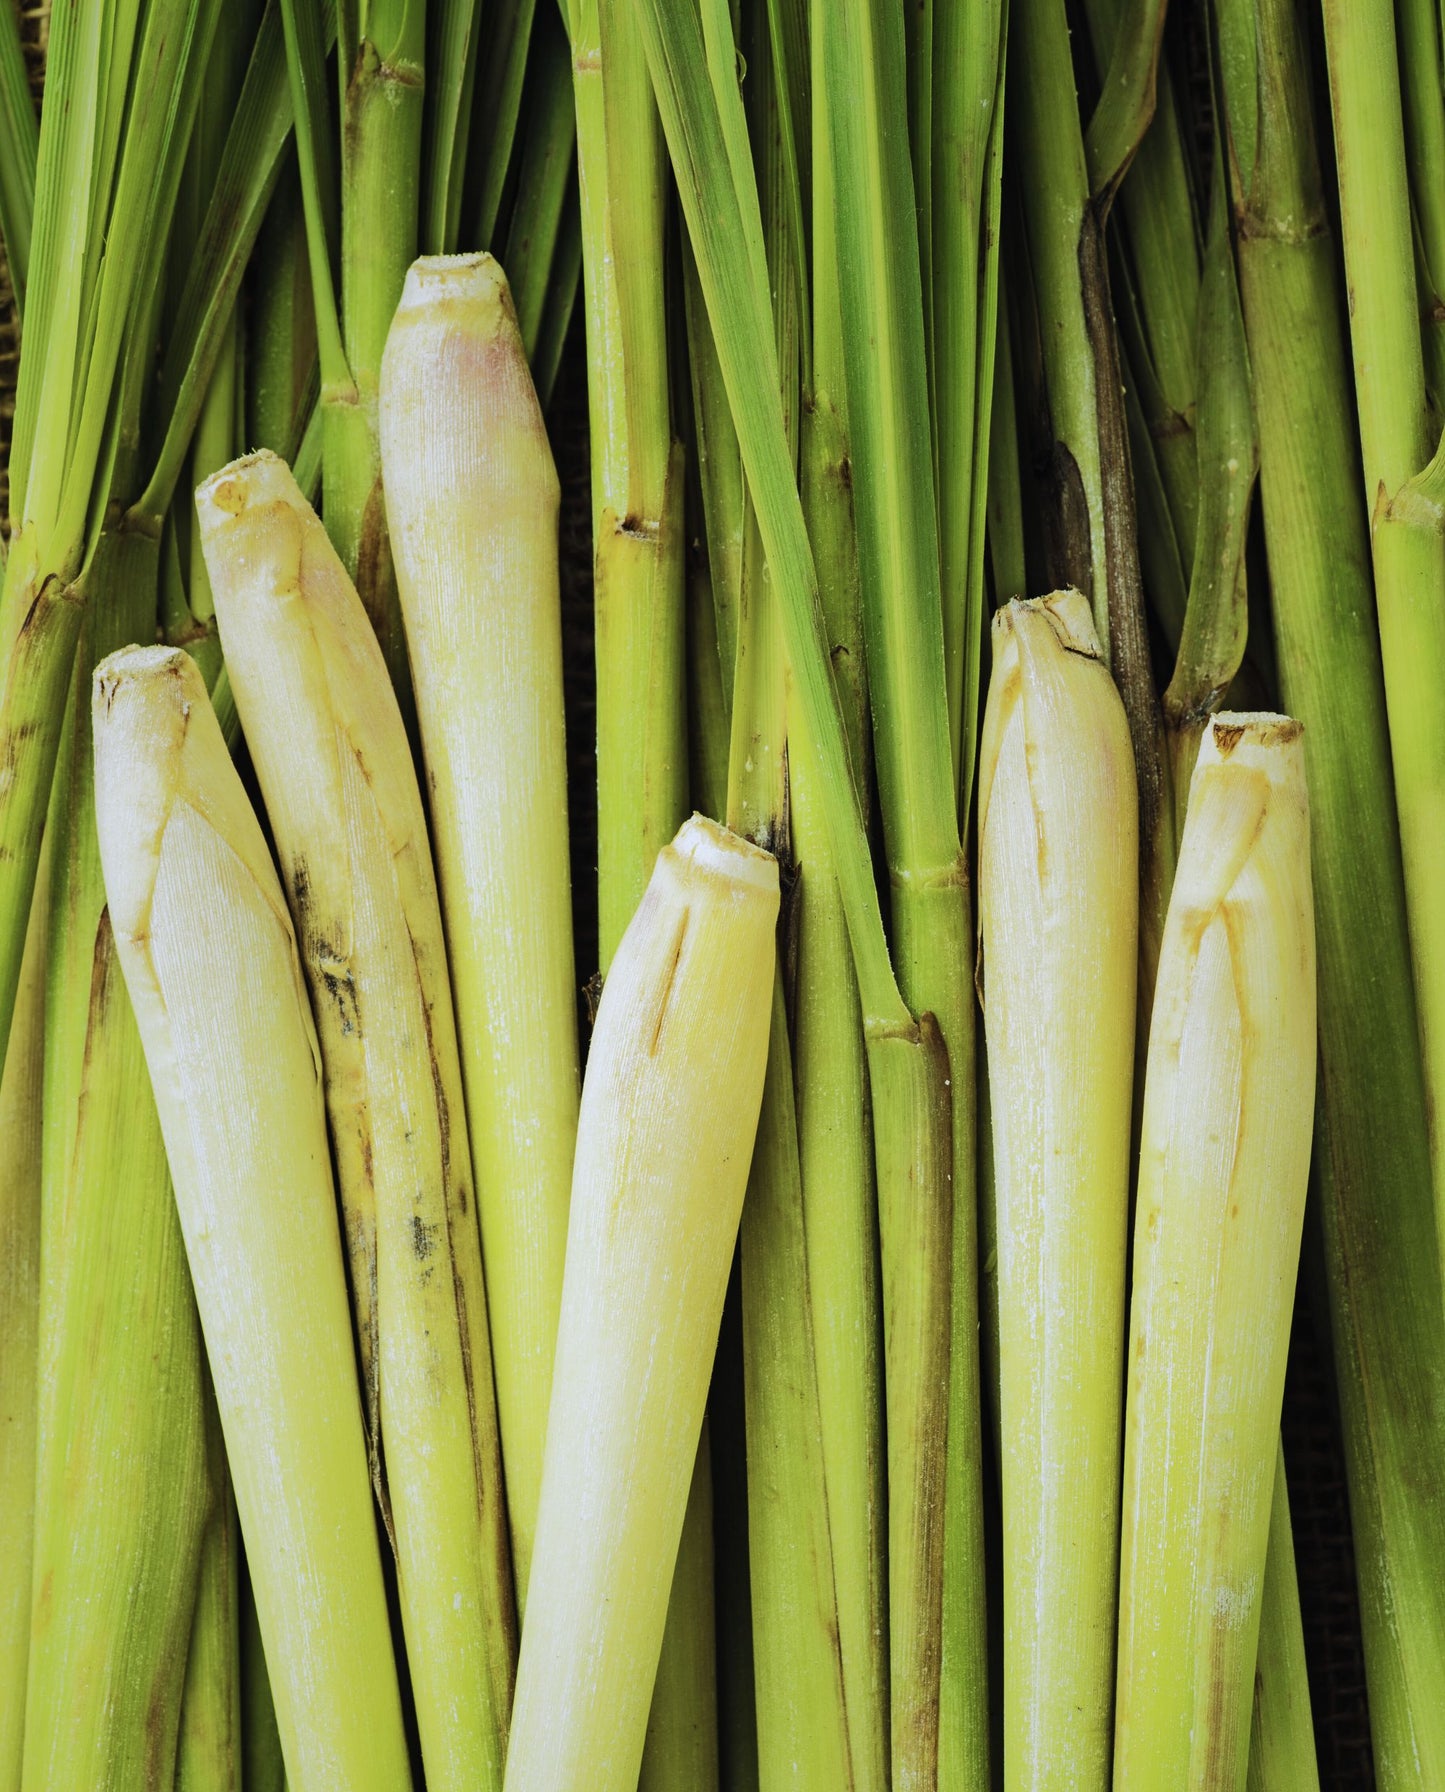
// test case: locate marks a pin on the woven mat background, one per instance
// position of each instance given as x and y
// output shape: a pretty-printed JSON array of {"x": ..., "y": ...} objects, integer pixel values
[{"x": 1313, "y": 1451}]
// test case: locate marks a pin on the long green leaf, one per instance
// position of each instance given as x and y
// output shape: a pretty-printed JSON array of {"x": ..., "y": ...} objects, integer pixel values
[
  {"x": 725, "y": 228},
  {"x": 19, "y": 146}
]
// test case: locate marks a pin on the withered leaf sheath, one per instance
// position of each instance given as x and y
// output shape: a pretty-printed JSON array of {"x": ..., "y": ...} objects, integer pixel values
[
  {"x": 329, "y": 745},
  {"x": 209, "y": 958}
]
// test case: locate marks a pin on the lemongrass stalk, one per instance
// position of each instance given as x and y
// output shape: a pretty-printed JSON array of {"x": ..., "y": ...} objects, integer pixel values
[
  {"x": 1422, "y": 95},
  {"x": 1047, "y": 148},
  {"x": 1005, "y": 494},
  {"x": 562, "y": 291},
  {"x": 694, "y": 69},
  {"x": 681, "y": 1748},
  {"x": 736, "y": 1678},
  {"x": 835, "y": 1160},
  {"x": 636, "y": 480},
  {"x": 1380, "y": 1242},
  {"x": 1090, "y": 470},
  {"x": 210, "y": 961},
  {"x": 674, "y": 1085},
  {"x": 121, "y": 1428},
  {"x": 281, "y": 334},
  {"x": 802, "y": 1718},
  {"x": 1224, "y": 1160},
  {"x": 34, "y": 681},
  {"x": 882, "y": 314},
  {"x": 835, "y": 1141},
  {"x": 261, "y": 1760},
  {"x": 1282, "y": 1736},
  {"x": 1128, "y": 82},
  {"x": 1216, "y": 616},
  {"x": 454, "y": 29},
  {"x": 381, "y": 131},
  {"x": 20, "y": 1190},
  {"x": 208, "y": 1747},
  {"x": 120, "y": 1412},
  {"x": 214, "y": 445},
  {"x": 1407, "y": 521},
  {"x": 502, "y": 64},
  {"x": 329, "y": 746},
  {"x": 1058, "y": 924},
  {"x": 724, "y": 1428},
  {"x": 967, "y": 124},
  {"x": 544, "y": 179},
  {"x": 1157, "y": 247},
  {"x": 835, "y": 1153},
  {"x": 472, "y": 498},
  {"x": 19, "y": 142}
]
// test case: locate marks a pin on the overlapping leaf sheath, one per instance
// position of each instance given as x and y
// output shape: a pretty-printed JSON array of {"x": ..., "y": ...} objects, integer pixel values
[
  {"x": 1058, "y": 916},
  {"x": 329, "y": 745},
  {"x": 1282, "y": 1736},
  {"x": 1228, "y": 1106},
  {"x": 121, "y": 1488},
  {"x": 210, "y": 960},
  {"x": 20, "y": 1130},
  {"x": 208, "y": 1744},
  {"x": 670, "y": 1109},
  {"x": 472, "y": 500}
]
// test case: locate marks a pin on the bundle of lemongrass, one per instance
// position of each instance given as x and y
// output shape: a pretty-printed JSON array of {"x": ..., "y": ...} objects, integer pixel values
[{"x": 868, "y": 1376}]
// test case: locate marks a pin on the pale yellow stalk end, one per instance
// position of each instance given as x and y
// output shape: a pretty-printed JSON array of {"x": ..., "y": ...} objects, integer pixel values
[
  {"x": 330, "y": 749},
  {"x": 1224, "y": 1160},
  {"x": 669, "y": 1114},
  {"x": 472, "y": 500},
  {"x": 210, "y": 962},
  {"x": 1058, "y": 918}
]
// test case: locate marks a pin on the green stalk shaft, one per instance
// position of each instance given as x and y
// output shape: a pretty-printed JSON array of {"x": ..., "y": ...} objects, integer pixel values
[
  {"x": 1379, "y": 1228},
  {"x": 835, "y": 1151},
  {"x": 121, "y": 1417},
  {"x": 1282, "y": 1736},
  {"x": 835, "y": 1139},
  {"x": 801, "y": 1707},
  {"x": 1408, "y": 538},
  {"x": 1422, "y": 72},
  {"x": 20, "y": 1219},
  {"x": 1047, "y": 150},
  {"x": 1005, "y": 493},
  {"x": 380, "y": 183},
  {"x": 1156, "y": 239},
  {"x": 883, "y": 332},
  {"x": 682, "y": 1725},
  {"x": 19, "y": 142},
  {"x": 636, "y": 478},
  {"x": 208, "y": 1750},
  {"x": 34, "y": 681},
  {"x": 281, "y": 374},
  {"x": 544, "y": 180},
  {"x": 967, "y": 118},
  {"x": 803, "y": 1735},
  {"x": 264, "y": 1770}
]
